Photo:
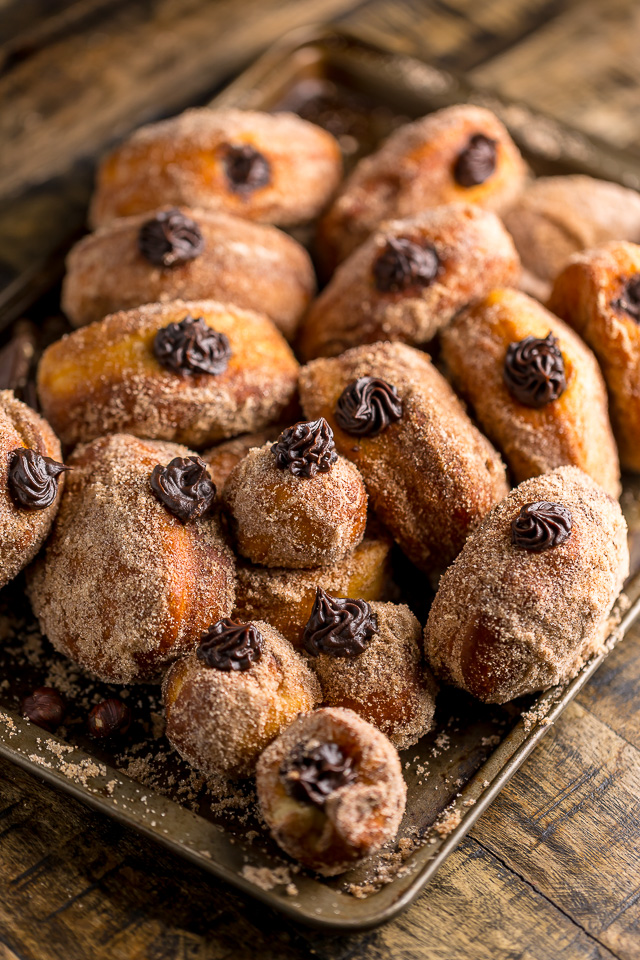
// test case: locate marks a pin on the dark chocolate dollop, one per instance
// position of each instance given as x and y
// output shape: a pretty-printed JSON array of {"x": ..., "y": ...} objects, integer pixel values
[
  {"x": 191, "y": 347},
  {"x": 230, "y": 646},
  {"x": 312, "y": 776},
  {"x": 404, "y": 264},
  {"x": 184, "y": 487},
  {"x": 170, "y": 239},
  {"x": 33, "y": 479},
  {"x": 306, "y": 448},
  {"x": 476, "y": 162},
  {"x": 534, "y": 371},
  {"x": 338, "y": 627},
  {"x": 367, "y": 406},
  {"x": 247, "y": 169},
  {"x": 541, "y": 526},
  {"x": 629, "y": 300}
]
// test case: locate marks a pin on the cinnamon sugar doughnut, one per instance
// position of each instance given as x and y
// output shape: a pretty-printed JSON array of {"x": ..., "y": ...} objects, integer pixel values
[
  {"x": 528, "y": 600},
  {"x": 409, "y": 279},
  {"x": 222, "y": 458},
  {"x": 331, "y": 790},
  {"x": 181, "y": 254},
  {"x": 284, "y": 598},
  {"x": 558, "y": 216},
  {"x": 275, "y": 168},
  {"x": 190, "y": 372},
  {"x": 134, "y": 570},
  {"x": 598, "y": 294},
  {"x": 430, "y": 474},
  {"x": 233, "y": 694},
  {"x": 368, "y": 658},
  {"x": 31, "y": 483},
  {"x": 535, "y": 388},
  {"x": 462, "y": 153},
  {"x": 295, "y": 503}
]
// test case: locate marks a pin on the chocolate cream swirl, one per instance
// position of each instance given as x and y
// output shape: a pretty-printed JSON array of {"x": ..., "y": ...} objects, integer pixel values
[
  {"x": 404, "y": 264},
  {"x": 184, "y": 487},
  {"x": 306, "y": 448},
  {"x": 170, "y": 239},
  {"x": 313, "y": 776},
  {"x": 33, "y": 479},
  {"x": 191, "y": 347},
  {"x": 534, "y": 371},
  {"x": 541, "y": 526},
  {"x": 230, "y": 646},
  {"x": 368, "y": 406},
  {"x": 338, "y": 627},
  {"x": 476, "y": 162}
]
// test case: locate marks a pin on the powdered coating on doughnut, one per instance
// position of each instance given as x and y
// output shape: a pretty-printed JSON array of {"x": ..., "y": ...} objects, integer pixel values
[{"x": 508, "y": 621}]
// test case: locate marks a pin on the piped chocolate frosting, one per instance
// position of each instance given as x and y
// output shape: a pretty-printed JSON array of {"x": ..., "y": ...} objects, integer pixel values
[
  {"x": 312, "y": 776},
  {"x": 541, "y": 526},
  {"x": 404, "y": 264},
  {"x": 534, "y": 371},
  {"x": 184, "y": 487},
  {"x": 306, "y": 448},
  {"x": 170, "y": 239},
  {"x": 367, "y": 406},
  {"x": 230, "y": 646},
  {"x": 33, "y": 479},
  {"x": 247, "y": 169},
  {"x": 629, "y": 300},
  {"x": 338, "y": 627},
  {"x": 191, "y": 347},
  {"x": 476, "y": 162}
]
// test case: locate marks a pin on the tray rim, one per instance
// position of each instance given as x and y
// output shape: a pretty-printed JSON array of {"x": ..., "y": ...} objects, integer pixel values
[{"x": 499, "y": 766}]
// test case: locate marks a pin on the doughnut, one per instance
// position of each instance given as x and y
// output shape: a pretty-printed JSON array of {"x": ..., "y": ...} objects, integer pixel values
[
  {"x": 558, "y": 216},
  {"x": 296, "y": 503},
  {"x": 188, "y": 372},
  {"x": 430, "y": 474},
  {"x": 233, "y": 694},
  {"x": 598, "y": 294},
  {"x": 31, "y": 483},
  {"x": 136, "y": 565},
  {"x": 274, "y": 168},
  {"x": 222, "y": 458},
  {"x": 180, "y": 254},
  {"x": 409, "y": 279},
  {"x": 529, "y": 598},
  {"x": 285, "y": 598},
  {"x": 368, "y": 658},
  {"x": 534, "y": 387},
  {"x": 462, "y": 153},
  {"x": 331, "y": 790}
]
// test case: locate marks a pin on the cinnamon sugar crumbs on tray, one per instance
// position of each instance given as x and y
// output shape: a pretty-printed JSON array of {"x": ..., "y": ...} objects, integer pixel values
[{"x": 267, "y": 878}]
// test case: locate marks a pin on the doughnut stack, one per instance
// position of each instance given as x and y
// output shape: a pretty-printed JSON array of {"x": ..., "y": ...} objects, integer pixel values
[{"x": 244, "y": 455}]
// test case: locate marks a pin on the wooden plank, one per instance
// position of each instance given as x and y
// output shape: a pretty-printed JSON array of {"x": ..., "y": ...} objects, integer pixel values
[
  {"x": 613, "y": 694},
  {"x": 569, "y": 823}
]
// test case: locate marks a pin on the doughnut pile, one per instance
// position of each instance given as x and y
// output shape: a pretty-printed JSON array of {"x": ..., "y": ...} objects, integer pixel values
[{"x": 260, "y": 473}]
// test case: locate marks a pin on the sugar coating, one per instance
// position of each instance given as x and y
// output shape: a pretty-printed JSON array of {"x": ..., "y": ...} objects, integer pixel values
[
  {"x": 124, "y": 587},
  {"x": 508, "y": 621},
  {"x": 221, "y": 721}
]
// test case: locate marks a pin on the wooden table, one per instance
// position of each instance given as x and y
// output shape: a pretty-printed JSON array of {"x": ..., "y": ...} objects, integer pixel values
[{"x": 553, "y": 869}]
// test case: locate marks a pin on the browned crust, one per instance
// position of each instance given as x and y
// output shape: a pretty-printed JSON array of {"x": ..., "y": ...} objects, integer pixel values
[
  {"x": 104, "y": 378},
  {"x": 180, "y": 162},
  {"x": 388, "y": 684},
  {"x": 574, "y": 429},
  {"x": 583, "y": 295},
  {"x": 432, "y": 475},
  {"x": 23, "y": 531},
  {"x": 413, "y": 170},
  {"x": 222, "y": 721},
  {"x": 124, "y": 587},
  {"x": 475, "y": 252},
  {"x": 357, "y": 819},
  {"x": 280, "y": 520},
  {"x": 253, "y": 265},
  {"x": 507, "y": 621}
]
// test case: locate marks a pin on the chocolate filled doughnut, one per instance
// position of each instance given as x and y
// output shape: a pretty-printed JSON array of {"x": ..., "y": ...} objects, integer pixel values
[
  {"x": 368, "y": 658},
  {"x": 528, "y": 600},
  {"x": 179, "y": 254},
  {"x": 409, "y": 279},
  {"x": 429, "y": 472},
  {"x": 331, "y": 790},
  {"x": 31, "y": 483},
  {"x": 274, "y": 168},
  {"x": 233, "y": 694},
  {"x": 459, "y": 154},
  {"x": 534, "y": 387},
  {"x": 296, "y": 503},
  {"x": 598, "y": 294},
  {"x": 136, "y": 565},
  {"x": 190, "y": 372}
]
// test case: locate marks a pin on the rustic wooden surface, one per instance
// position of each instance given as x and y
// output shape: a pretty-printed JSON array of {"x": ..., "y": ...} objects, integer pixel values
[{"x": 553, "y": 869}]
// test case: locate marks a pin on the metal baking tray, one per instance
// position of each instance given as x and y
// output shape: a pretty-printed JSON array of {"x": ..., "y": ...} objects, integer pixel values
[{"x": 453, "y": 774}]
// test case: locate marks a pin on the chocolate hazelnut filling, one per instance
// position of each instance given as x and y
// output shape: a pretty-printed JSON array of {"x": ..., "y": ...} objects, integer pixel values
[
  {"x": 184, "y": 487},
  {"x": 230, "y": 646},
  {"x": 247, "y": 169},
  {"x": 338, "y": 627},
  {"x": 191, "y": 347},
  {"x": 404, "y": 264},
  {"x": 476, "y": 162},
  {"x": 368, "y": 406},
  {"x": 312, "y": 776},
  {"x": 629, "y": 300},
  {"x": 170, "y": 239},
  {"x": 541, "y": 526},
  {"x": 33, "y": 479},
  {"x": 534, "y": 371},
  {"x": 306, "y": 449}
]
